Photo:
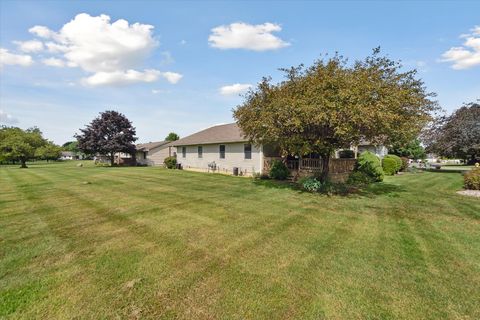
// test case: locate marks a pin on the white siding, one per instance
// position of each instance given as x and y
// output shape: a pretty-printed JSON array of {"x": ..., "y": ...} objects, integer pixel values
[
  {"x": 155, "y": 156},
  {"x": 380, "y": 151},
  {"x": 234, "y": 157}
]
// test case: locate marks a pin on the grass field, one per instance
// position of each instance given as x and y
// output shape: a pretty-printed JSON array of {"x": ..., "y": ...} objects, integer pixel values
[{"x": 154, "y": 243}]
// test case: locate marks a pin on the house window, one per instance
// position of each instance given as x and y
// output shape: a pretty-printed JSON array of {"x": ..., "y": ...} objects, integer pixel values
[
  {"x": 222, "y": 151},
  {"x": 184, "y": 152},
  {"x": 200, "y": 151},
  {"x": 247, "y": 150}
]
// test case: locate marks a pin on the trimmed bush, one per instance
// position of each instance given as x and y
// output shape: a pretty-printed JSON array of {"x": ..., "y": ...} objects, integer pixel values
[
  {"x": 358, "y": 178},
  {"x": 371, "y": 165},
  {"x": 278, "y": 170},
  {"x": 389, "y": 166},
  {"x": 346, "y": 154},
  {"x": 471, "y": 179},
  {"x": 397, "y": 159},
  {"x": 405, "y": 162},
  {"x": 170, "y": 162}
]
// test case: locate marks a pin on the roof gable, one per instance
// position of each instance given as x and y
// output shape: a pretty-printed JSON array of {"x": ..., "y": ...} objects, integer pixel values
[
  {"x": 150, "y": 145},
  {"x": 225, "y": 133}
]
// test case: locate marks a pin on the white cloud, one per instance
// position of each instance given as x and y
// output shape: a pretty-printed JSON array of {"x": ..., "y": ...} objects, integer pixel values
[
  {"x": 54, "y": 62},
  {"x": 7, "y": 118},
  {"x": 111, "y": 52},
  {"x": 29, "y": 46},
  {"x": 120, "y": 78},
  {"x": 172, "y": 77},
  {"x": 236, "y": 88},
  {"x": 42, "y": 32},
  {"x": 468, "y": 55},
  {"x": 7, "y": 58},
  {"x": 246, "y": 36},
  {"x": 55, "y": 47}
]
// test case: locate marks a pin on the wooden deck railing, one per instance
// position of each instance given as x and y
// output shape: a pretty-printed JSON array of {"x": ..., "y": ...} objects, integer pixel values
[{"x": 313, "y": 165}]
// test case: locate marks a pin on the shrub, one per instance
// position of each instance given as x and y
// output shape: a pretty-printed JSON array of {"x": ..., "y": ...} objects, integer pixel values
[
  {"x": 389, "y": 166},
  {"x": 398, "y": 161},
  {"x": 278, "y": 170},
  {"x": 370, "y": 164},
  {"x": 471, "y": 179},
  {"x": 346, "y": 154},
  {"x": 311, "y": 184},
  {"x": 358, "y": 178},
  {"x": 405, "y": 163},
  {"x": 170, "y": 162}
]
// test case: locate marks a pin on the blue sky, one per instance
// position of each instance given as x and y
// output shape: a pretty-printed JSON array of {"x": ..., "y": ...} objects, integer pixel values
[{"x": 168, "y": 77}]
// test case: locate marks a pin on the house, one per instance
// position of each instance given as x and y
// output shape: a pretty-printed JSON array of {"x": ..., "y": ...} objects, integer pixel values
[
  {"x": 220, "y": 148},
  {"x": 379, "y": 150},
  {"x": 67, "y": 155},
  {"x": 224, "y": 148},
  {"x": 153, "y": 153}
]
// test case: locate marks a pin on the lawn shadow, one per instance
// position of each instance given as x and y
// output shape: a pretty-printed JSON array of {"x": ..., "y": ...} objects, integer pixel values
[
  {"x": 278, "y": 184},
  {"x": 342, "y": 190},
  {"x": 380, "y": 188}
]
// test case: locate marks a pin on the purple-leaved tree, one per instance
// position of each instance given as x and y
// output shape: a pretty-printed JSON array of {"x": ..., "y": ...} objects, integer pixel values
[{"x": 108, "y": 134}]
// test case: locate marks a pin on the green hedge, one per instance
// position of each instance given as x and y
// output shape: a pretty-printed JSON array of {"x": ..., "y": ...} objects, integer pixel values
[
  {"x": 170, "y": 162},
  {"x": 371, "y": 165},
  {"x": 397, "y": 159},
  {"x": 278, "y": 170},
  {"x": 389, "y": 166}
]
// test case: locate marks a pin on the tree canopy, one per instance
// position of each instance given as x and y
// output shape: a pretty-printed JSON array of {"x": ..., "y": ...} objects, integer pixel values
[
  {"x": 172, "y": 136},
  {"x": 20, "y": 145},
  {"x": 413, "y": 149},
  {"x": 333, "y": 104},
  {"x": 108, "y": 134},
  {"x": 457, "y": 135},
  {"x": 71, "y": 146},
  {"x": 49, "y": 151}
]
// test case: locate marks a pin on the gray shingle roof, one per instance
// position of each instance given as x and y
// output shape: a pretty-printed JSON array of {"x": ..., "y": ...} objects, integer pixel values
[
  {"x": 224, "y": 133},
  {"x": 150, "y": 145}
]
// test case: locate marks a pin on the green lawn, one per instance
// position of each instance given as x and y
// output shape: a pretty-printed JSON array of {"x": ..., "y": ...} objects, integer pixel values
[{"x": 154, "y": 243}]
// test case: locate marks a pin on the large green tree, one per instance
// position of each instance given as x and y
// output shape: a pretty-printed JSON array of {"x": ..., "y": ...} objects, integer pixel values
[
  {"x": 49, "y": 151},
  {"x": 457, "y": 135},
  {"x": 20, "y": 145},
  {"x": 108, "y": 134},
  {"x": 334, "y": 104}
]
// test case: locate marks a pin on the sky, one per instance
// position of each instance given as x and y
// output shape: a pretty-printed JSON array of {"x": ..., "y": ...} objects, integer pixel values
[{"x": 182, "y": 66}]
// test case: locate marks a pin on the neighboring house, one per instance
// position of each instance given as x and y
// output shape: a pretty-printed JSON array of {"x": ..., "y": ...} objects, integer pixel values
[
  {"x": 69, "y": 155},
  {"x": 223, "y": 147},
  {"x": 379, "y": 150},
  {"x": 153, "y": 153}
]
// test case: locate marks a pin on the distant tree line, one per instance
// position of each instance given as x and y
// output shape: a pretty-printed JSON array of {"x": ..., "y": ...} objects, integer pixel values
[{"x": 17, "y": 145}]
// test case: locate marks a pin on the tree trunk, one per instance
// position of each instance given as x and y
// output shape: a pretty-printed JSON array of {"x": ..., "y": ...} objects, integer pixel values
[
  {"x": 23, "y": 163},
  {"x": 325, "y": 167},
  {"x": 112, "y": 159}
]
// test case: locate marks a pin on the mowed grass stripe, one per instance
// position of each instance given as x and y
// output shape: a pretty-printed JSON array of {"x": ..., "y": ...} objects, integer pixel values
[{"x": 134, "y": 245}]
